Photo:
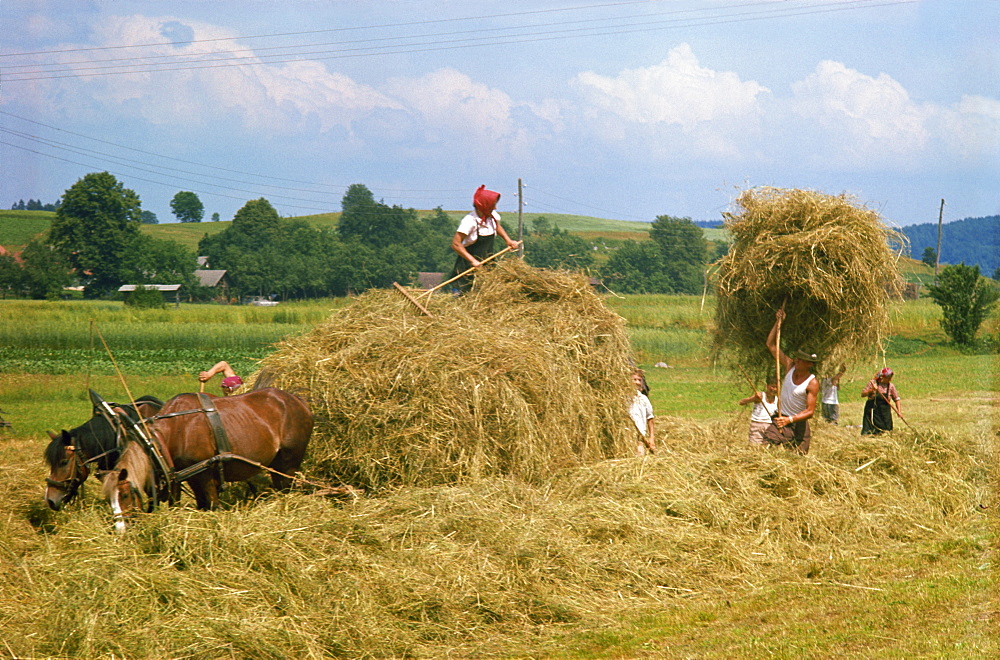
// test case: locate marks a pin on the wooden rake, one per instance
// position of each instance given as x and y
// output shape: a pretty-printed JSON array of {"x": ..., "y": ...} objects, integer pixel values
[{"x": 415, "y": 299}]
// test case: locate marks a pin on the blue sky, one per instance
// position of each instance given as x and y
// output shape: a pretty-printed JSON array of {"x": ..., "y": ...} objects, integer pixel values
[{"x": 624, "y": 110}]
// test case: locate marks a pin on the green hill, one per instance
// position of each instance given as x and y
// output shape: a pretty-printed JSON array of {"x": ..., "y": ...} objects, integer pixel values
[
  {"x": 186, "y": 233},
  {"x": 18, "y": 228}
]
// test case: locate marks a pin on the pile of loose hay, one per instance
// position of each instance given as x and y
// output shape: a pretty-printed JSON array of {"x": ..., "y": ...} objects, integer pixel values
[
  {"x": 528, "y": 374},
  {"x": 833, "y": 262},
  {"x": 498, "y": 568}
]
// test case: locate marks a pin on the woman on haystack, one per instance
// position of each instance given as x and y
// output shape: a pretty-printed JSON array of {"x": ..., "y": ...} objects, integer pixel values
[
  {"x": 878, "y": 411},
  {"x": 798, "y": 395},
  {"x": 473, "y": 241}
]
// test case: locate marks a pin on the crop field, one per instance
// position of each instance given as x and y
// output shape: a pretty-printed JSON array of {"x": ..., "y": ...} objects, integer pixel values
[{"x": 867, "y": 547}]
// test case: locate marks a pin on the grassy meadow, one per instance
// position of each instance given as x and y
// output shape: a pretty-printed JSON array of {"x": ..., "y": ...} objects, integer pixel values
[{"x": 868, "y": 547}]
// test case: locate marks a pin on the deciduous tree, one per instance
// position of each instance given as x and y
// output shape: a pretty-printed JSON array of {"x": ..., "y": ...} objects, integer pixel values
[
  {"x": 11, "y": 276},
  {"x": 159, "y": 261},
  {"x": 46, "y": 272},
  {"x": 929, "y": 257},
  {"x": 187, "y": 207},
  {"x": 966, "y": 299},
  {"x": 373, "y": 223},
  {"x": 96, "y": 223},
  {"x": 558, "y": 249},
  {"x": 683, "y": 252},
  {"x": 636, "y": 268}
]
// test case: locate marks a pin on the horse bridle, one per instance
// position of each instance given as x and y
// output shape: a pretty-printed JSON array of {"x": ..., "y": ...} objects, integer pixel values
[
  {"x": 135, "y": 493},
  {"x": 79, "y": 471}
]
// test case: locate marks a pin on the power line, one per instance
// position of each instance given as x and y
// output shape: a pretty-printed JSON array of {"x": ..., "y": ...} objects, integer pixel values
[
  {"x": 575, "y": 202},
  {"x": 210, "y": 167},
  {"x": 139, "y": 178},
  {"x": 328, "y": 30},
  {"x": 431, "y": 46},
  {"x": 212, "y": 56}
]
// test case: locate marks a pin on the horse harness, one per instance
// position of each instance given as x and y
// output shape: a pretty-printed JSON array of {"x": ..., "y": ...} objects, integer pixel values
[
  {"x": 79, "y": 459},
  {"x": 223, "y": 447}
]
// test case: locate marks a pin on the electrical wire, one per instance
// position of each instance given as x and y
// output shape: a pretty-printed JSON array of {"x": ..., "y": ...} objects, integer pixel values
[{"x": 41, "y": 73}]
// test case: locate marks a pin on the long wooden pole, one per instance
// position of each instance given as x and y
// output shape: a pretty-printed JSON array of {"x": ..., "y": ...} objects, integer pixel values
[
  {"x": 937, "y": 256},
  {"x": 777, "y": 358},
  {"x": 428, "y": 292},
  {"x": 753, "y": 388},
  {"x": 520, "y": 216}
]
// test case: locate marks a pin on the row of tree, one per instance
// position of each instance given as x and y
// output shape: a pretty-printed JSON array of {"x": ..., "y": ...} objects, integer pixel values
[
  {"x": 95, "y": 241},
  {"x": 185, "y": 205},
  {"x": 33, "y": 205}
]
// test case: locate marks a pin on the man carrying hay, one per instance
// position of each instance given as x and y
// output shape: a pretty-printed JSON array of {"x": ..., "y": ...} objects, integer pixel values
[
  {"x": 473, "y": 241},
  {"x": 797, "y": 397}
]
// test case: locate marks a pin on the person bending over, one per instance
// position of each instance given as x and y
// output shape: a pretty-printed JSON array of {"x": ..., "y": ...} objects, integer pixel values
[{"x": 230, "y": 381}]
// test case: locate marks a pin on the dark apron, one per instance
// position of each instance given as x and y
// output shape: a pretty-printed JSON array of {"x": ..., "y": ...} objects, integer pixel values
[
  {"x": 878, "y": 414},
  {"x": 480, "y": 249}
]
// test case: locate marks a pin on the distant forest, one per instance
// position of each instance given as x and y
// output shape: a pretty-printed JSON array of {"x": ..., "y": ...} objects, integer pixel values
[{"x": 972, "y": 240}]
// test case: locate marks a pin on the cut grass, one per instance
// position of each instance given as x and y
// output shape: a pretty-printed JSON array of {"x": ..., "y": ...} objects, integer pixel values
[
  {"x": 621, "y": 559},
  {"x": 926, "y": 614}
]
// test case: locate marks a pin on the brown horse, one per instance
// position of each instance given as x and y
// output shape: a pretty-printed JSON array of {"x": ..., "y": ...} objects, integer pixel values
[
  {"x": 71, "y": 455},
  {"x": 131, "y": 486},
  {"x": 270, "y": 427}
]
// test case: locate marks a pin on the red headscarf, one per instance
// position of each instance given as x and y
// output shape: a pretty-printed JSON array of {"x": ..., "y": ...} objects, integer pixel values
[{"x": 485, "y": 202}]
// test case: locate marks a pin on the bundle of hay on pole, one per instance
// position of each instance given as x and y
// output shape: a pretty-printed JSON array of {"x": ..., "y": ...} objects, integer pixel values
[
  {"x": 527, "y": 374},
  {"x": 829, "y": 259}
]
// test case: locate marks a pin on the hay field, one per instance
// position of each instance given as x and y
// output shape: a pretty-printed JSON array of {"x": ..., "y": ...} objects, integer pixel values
[{"x": 709, "y": 549}]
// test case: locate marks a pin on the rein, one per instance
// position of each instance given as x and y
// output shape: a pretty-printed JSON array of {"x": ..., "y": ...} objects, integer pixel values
[{"x": 178, "y": 413}]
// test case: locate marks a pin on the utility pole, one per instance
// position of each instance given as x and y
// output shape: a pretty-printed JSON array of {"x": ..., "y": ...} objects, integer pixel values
[
  {"x": 937, "y": 256},
  {"x": 520, "y": 216}
]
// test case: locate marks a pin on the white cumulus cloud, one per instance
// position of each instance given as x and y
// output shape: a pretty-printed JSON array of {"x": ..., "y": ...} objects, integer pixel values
[
  {"x": 456, "y": 110},
  {"x": 862, "y": 118},
  {"x": 278, "y": 97},
  {"x": 971, "y": 130},
  {"x": 678, "y": 91}
]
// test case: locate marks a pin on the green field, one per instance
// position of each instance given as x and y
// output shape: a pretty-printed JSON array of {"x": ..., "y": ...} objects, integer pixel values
[
  {"x": 18, "y": 228},
  {"x": 711, "y": 549}
]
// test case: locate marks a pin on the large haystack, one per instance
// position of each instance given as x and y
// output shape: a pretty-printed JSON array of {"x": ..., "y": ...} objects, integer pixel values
[
  {"x": 831, "y": 260},
  {"x": 527, "y": 374}
]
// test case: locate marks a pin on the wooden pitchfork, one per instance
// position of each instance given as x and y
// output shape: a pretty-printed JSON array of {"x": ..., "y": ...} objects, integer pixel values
[
  {"x": 426, "y": 294},
  {"x": 777, "y": 358}
]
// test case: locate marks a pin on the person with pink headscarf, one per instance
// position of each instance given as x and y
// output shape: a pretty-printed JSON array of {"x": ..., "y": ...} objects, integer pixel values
[
  {"x": 878, "y": 411},
  {"x": 230, "y": 381},
  {"x": 473, "y": 241}
]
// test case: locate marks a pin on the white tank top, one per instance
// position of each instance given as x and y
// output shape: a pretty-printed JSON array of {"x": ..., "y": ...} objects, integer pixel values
[
  {"x": 793, "y": 397},
  {"x": 763, "y": 410}
]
